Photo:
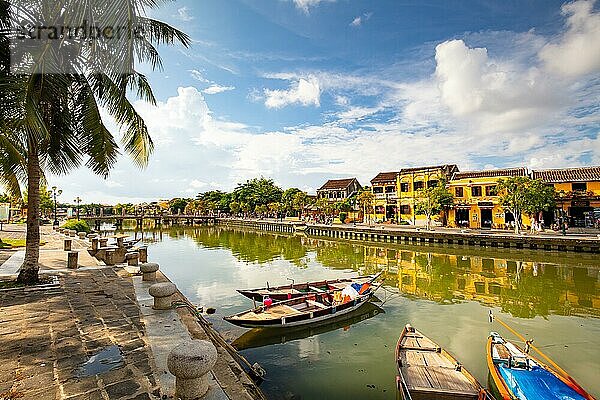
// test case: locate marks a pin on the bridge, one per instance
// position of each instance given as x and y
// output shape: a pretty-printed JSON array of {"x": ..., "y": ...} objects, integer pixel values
[{"x": 159, "y": 219}]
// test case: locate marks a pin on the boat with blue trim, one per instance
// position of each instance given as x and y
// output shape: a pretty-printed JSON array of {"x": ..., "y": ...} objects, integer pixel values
[{"x": 516, "y": 375}]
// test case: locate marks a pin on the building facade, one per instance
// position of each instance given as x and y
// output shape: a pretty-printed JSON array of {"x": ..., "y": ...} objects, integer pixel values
[
  {"x": 411, "y": 180},
  {"x": 476, "y": 203},
  {"x": 339, "y": 189},
  {"x": 385, "y": 203},
  {"x": 578, "y": 195}
]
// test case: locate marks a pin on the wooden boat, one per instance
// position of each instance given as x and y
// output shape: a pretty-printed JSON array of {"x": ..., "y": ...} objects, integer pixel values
[
  {"x": 427, "y": 372},
  {"x": 286, "y": 292},
  {"x": 259, "y": 337},
  {"x": 517, "y": 375},
  {"x": 308, "y": 309}
]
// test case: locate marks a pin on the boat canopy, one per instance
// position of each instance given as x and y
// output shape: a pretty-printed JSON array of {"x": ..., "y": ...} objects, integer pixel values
[{"x": 536, "y": 383}]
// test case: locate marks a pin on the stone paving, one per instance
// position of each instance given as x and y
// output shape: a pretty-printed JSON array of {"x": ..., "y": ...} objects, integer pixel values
[{"x": 45, "y": 336}]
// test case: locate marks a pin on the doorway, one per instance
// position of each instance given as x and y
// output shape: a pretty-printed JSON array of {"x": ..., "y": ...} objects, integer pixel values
[{"x": 486, "y": 218}]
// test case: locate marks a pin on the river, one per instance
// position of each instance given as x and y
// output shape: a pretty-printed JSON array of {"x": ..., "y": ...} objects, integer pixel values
[{"x": 445, "y": 292}]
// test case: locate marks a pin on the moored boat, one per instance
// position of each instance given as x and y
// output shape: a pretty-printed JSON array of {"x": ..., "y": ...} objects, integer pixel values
[
  {"x": 428, "y": 372},
  {"x": 517, "y": 375},
  {"x": 259, "y": 337},
  {"x": 308, "y": 309},
  {"x": 294, "y": 290}
]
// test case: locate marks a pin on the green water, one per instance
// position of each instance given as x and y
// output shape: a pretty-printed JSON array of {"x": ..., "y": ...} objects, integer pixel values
[{"x": 445, "y": 292}]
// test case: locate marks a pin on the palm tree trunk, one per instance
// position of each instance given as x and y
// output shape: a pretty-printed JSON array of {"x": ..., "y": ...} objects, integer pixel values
[{"x": 30, "y": 267}]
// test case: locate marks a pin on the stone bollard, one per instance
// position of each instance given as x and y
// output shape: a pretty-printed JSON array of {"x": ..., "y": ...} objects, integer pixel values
[
  {"x": 67, "y": 245},
  {"x": 162, "y": 293},
  {"x": 61, "y": 230},
  {"x": 95, "y": 243},
  {"x": 132, "y": 258},
  {"x": 143, "y": 254},
  {"x": 72, "y": 260},
  {"x": 148, "y": 271},
  {"x": 73, "y": 233},
  {"x": 103, "y": 242},
  {"x": 109, "y": 259},
  {"x": 120, "y": 241},
  {"x": 191, "y": 362},
  {"x": 92, "y": 236},
  {"x": 81, "y": 235}
]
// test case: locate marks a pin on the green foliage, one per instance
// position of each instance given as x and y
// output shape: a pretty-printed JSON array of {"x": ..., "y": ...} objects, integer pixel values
[
  {"x": 257, "y": 191},
  {"x": 324, "y": 206},
  {"x": 79, "y": 226},
  {"x": 4, "y": 198},
  {"x": 343, "y": 206},
  {"x": 343, "y": 216},
  {"x": 521, "y": 194},
  {"x": 433, "y": 200},
  {"x": 178, "y": 205},
  {"x": 234, "y": 207}
]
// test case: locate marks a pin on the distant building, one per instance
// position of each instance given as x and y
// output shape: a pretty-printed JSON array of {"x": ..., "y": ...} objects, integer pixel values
[
  {"x": 396, "y": 192},
  {"x": 476, "y": 203},
  {"x": 578, "y": 194},
  {"x": 339, "y": 189},
  {"x": 385, "y": 189}
]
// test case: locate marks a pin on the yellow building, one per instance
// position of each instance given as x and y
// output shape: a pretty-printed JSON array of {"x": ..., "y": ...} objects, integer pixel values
[
  {"x": 476, "y": 204},
  {"x": 578, "y": 191},
  {"x": 411, "y": 180},
  {"x": 385, "y": 204}
]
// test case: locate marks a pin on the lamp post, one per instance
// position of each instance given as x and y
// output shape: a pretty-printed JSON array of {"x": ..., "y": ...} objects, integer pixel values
[
  {"x": 78, "y": 201},
  {"x": 54, "y": 193}
]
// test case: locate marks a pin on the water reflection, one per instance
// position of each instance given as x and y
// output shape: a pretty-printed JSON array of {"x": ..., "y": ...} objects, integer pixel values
[
  {"x": 260, "y": 337},
  {"x": 518, "y": 282},
  {"x": 445, "y": 291}
]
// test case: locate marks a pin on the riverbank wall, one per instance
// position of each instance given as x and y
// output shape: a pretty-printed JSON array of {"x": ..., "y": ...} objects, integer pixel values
[{"x": 386, "y": 234}]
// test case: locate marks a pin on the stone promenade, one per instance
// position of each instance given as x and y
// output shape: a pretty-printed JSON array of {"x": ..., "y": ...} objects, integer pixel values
[{"x": 46, "y": 336}]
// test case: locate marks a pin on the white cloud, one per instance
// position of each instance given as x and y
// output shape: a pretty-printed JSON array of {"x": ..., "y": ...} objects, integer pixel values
[
  {"x": 183, "y": 14},
  {"x": 197, "y": 75},
  {"x": 215, "y": 88},
  {"x": 577, "y": 51},
  {"x": 305, "y": 91},
  {"x": 360, "y": 19},
  {"x": 305, "y": 5}
]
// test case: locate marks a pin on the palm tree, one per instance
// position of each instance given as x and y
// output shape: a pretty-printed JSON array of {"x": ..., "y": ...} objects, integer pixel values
[{"x": 52, "y": 122}]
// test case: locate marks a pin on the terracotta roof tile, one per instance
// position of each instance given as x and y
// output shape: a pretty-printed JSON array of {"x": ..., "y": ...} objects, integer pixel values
[
  {"x": 491, "y": 173},
  {"x": 581, "y": 174},
  {"x": 333, "y": 184},
  {"x": 384, "y": 177},
  {"x": 450, "y": 168}
]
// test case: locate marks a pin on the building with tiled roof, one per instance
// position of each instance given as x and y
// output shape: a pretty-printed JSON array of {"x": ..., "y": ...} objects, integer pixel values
[
  {"x": 385, "y": 178},
  {"x": 581, "y": 174},
  {"x": 339, "y": 189},
  {"x": 578, "y": 194},
  {"x": 476, "y": 203},
  {"x": 490, "y": 173}
]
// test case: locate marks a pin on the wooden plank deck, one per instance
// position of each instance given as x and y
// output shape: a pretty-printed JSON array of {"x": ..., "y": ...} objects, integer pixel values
[{"x": 425, "y": 369}]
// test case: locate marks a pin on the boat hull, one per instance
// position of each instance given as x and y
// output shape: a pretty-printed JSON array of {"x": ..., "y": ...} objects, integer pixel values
[
  {"x": 302, "y": 319},
  {"x": 536, "y": 382}
]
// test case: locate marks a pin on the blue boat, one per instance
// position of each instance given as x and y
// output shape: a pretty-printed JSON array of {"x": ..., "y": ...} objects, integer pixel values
[{"x": 517, "y": 375}]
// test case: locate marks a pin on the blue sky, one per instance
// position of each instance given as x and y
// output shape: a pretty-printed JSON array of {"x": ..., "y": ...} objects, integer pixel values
[{"x": 307, "y": 90}]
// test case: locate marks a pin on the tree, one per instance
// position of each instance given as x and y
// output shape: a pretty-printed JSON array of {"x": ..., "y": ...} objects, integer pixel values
[
  {"x": 299, "y": 201},
  {"x": 324, "y": 206},
  {"x": 257, "y": 191},
  {"x": 432, "y": 200},
  {"x": 52, "y": 122},
  {"x": 365, "y": 200},
  {"x": 177, "y": 205},
  {"x": 287, "y": 199},
  {"x": 46, "y": 202},
  {"x": 234, "y": 207},
  {"x": 274, "y": 208},
  {"x": 521, "y": 194}
]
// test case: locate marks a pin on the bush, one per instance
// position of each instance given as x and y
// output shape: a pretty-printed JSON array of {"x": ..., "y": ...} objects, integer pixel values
[
  {"x": 343, "y": 216},
  {"x": 79, "y": 226}
]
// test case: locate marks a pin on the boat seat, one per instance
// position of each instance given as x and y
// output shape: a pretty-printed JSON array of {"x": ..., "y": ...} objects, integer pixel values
[
  {"x": 316, "y": 304},
  {"x": 316, "y": 289}
]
